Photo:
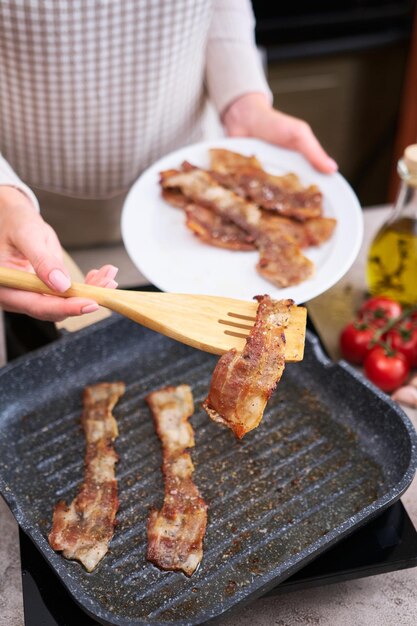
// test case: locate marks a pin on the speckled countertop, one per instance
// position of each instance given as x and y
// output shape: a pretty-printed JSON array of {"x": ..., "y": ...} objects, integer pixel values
[{"x": 384, "y": 600}]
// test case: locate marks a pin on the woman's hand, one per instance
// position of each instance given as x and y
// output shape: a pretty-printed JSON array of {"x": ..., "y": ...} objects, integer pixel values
[
  {"x": 30, "y": 244},
  {"x": 252, "y": 115}
]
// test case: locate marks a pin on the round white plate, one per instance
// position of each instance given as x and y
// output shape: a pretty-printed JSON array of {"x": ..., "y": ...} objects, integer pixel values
[{"x": 173, "y": 259}]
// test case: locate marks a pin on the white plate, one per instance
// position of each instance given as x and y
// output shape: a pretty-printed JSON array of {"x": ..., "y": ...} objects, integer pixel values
[{"x": 173, "y": 259}]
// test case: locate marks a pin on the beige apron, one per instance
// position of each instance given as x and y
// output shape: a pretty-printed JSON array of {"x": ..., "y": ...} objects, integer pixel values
[{"x": 81, "y": 222}]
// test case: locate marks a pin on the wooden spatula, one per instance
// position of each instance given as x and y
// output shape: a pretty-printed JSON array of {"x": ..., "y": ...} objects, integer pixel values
[{"x": 210, "y": 323}]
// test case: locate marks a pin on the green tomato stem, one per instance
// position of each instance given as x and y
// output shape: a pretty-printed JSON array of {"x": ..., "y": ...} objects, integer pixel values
[{"x": 390, "y": 324}]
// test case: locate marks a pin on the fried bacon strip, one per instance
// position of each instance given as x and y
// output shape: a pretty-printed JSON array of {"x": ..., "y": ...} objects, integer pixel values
[
  {"x": 281, "y": 262},
  {"x": 319, "y": 230},
  {"x": 282, "y": 194},
  {"x": 226, "y": 161},
  {"x": 216, "y": 230},
  {"x": 242, "y": 382},
  {"x": 83, "y": 530},
  {"x": 203, "y": 222},
  {"x": 312, "y": 232},
  {"x": 176, "y": 532},
  {"x": 199, "y": 187}
]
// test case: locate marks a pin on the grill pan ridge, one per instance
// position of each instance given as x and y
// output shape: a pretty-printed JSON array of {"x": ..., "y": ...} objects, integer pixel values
[{"x": 330, "y": 453}]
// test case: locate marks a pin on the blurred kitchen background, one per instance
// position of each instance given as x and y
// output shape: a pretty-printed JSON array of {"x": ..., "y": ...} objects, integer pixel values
[{"x": 349, "y": 68}]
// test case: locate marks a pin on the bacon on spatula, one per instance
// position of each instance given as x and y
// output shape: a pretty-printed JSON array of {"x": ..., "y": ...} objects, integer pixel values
[
  {"x": 176, "y": 532},
  {"x": 242, "y": 382},
  {"x": 83, "y": 530}
]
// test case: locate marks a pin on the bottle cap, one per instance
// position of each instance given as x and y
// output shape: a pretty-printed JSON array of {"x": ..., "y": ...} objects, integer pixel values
[{"x": 410, "y": 159}]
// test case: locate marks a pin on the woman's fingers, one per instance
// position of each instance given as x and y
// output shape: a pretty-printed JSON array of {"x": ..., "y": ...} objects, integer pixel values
[
  {"x": 295, "y": 134},
  {"x": 52, "y": 308},
  {"x": 299, "y": 136},
  {"x": 28, "y": 242},
  {"x": 90, "y": 277},
  {"x": 39, "y": 244},
  {"x": 108, "y": 271},
  {"x": 43, "y": 307},
  {"x": 252, "y": 115},
  {"x": 108, "y": 283},
  {"x": 103, "y": 277}
]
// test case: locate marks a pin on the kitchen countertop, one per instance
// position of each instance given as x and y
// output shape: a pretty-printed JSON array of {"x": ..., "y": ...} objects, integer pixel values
[{"x": 386, "y": 599}]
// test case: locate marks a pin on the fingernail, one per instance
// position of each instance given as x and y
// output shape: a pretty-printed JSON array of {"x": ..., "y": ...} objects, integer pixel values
[
  {"x": 59, "y": 281},
  {"x": 112, "y": 271},
  {"x": 332, "y": 164},
  {"x": 89, "y": 308},
  {"x": 111, "y": 284}
]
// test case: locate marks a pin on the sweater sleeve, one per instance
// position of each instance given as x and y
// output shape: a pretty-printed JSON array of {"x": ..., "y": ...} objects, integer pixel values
[
  {"x": 233, "y": 63},
  {"x": 9, "y": 177}
]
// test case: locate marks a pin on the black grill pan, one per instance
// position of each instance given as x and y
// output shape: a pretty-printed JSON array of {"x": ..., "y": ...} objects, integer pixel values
[{"x": 330, "y": 453}]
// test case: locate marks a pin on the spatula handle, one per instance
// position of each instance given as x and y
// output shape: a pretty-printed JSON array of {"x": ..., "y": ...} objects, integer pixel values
[{"x": 17, "y": 279}]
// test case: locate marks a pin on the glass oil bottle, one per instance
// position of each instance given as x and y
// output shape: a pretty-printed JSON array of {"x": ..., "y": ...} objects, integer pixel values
[{"x": 392, "y": 257}]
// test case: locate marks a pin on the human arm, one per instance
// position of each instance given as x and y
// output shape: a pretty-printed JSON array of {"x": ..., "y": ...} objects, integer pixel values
[{"x": 239, "y": 90}]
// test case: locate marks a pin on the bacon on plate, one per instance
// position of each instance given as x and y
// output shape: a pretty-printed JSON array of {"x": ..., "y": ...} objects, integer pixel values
[
  {"x": 311, "y": 232},
  {"x": 282, "y": 194},
  {"x": 176, "y": 531},
  {"x": 226, "y": 161},
  {"x": 242, "y": 382},
  {"x": 282, "y": 261},
  {"x": 199, "y": 187},
  {"x": 83, "y": 530},
  {"x": 216, "y": 230}
]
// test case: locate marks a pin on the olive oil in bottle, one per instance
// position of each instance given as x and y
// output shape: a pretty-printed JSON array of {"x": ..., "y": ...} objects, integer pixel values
[{"x": 392, "y": 257}]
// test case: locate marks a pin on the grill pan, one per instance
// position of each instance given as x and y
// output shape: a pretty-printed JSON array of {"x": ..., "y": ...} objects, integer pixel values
[{"x": 330, "y": 453}]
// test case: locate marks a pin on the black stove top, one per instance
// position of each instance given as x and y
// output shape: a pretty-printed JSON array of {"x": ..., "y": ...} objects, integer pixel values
[{"x": 385, "y": 544}]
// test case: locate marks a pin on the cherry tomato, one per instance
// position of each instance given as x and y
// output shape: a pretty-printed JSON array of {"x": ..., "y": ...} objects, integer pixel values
[
  {"x": 376, "y": 311},
  {"x": 386, "y": 368},
  {"x": 412, "y": 318},
  {"x": 354, "y": 341},
  {"x": 403, "y": 338}
]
